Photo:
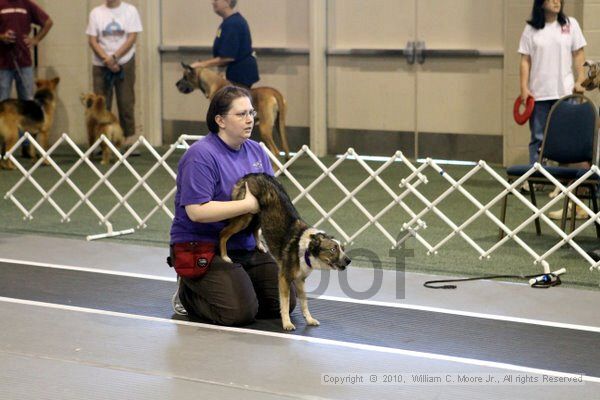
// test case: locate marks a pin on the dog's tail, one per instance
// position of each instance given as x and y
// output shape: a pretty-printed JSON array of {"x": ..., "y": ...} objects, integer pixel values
[
  {"x": 114, "y": 132},
  {"x": 282, "y": 107}
]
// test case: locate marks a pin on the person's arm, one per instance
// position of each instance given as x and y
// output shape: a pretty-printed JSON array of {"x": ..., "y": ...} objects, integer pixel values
[
  {"x": 212, "y": 62},
  {"x": 525, "y": 69},
  {"x": 129, "y": 42},
  {"x": 578, "y": 61},
  {"x": 107, "y": 59},
  {"x": 215, "y": 211},
  {"x": 34, "y": 41}
]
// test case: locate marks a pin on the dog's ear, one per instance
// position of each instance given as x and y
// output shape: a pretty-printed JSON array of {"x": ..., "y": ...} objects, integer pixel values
[
  {"x": 187, "y": 67},
  {"x": 89, "y": 102},
  {"x": 314, "y": 246},
  {"x": 99, "y": 103},
  {"x": 55, "y": 81}
]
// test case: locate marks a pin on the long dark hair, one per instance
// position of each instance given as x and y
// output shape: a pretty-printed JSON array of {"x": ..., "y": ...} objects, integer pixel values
[
  {"x": 538, "y": 17},
  {"x": 221, "y": 103}
]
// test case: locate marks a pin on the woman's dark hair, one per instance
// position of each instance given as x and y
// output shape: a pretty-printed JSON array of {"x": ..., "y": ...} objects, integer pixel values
[
  {"x": 538, "y": 17},
  {"x": 221, "y": 104}
]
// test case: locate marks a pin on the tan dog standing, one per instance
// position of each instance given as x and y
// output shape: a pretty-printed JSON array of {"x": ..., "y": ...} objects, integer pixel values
[
  {"x": 269, "y": 103},
  {"x": 34, "y": 116},
  {"x": 101, "y": 121}
]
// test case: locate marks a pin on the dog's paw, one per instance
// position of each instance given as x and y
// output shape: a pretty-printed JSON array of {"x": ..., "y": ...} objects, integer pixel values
[
  {"x": 288, "y": 326},
  {"x": 227, "y": 259},
  {"x": 312, "y": 322}
]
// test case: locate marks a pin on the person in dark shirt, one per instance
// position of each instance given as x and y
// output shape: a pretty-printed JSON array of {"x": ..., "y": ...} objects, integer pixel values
[
  {"x": 232, "y": 48},
  {"x": 16, "y": 18}
]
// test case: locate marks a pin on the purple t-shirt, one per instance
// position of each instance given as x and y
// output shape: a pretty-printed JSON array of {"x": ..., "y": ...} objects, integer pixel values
[{"x": 208, "y": 171}]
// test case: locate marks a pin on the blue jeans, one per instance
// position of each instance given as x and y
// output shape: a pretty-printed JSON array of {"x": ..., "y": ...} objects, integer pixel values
[
  {"x": 24, "y": 86},
  {"x": 537, "y": 125}
]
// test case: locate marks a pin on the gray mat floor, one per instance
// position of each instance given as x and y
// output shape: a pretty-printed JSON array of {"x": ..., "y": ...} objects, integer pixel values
[{"x": 59, "y": 350}]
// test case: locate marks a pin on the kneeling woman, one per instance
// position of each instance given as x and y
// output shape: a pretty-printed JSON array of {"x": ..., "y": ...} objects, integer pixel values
[{"x": 221, "y": 292}]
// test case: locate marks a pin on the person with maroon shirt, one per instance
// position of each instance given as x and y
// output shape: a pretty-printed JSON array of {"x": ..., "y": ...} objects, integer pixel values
[{"x": 16, "y": 18}]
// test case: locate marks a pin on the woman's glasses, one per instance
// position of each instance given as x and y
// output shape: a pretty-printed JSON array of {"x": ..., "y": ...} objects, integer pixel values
[{"x": 244, "y": 114}]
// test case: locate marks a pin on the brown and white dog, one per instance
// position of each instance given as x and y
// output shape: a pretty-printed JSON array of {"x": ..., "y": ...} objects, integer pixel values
[
  {"x": 100, "y": 121},
  {"x": 269, "y": 102},
  {"x": 34, "y": 116},
  {"x": 593, "y": 75},
  {"x": 297, "y": 248}
]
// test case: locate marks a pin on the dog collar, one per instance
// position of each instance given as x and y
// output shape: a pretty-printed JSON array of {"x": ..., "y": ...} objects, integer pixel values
[{"x": 307, "y": 258}]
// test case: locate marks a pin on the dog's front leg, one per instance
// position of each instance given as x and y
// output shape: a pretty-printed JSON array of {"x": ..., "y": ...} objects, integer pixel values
[
  {"x": 284, "y": 303},
  {"x": 304, "y": 303}
]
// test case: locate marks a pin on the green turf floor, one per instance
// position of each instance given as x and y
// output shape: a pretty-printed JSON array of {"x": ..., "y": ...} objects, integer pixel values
[{"x": 370, "y": 248}]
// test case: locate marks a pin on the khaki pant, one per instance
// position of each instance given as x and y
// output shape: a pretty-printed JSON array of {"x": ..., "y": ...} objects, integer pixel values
[{"x": 125, "y": 93}]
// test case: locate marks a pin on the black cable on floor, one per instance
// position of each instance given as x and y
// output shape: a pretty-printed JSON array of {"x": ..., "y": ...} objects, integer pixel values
[{"x": 544, "y": 281}]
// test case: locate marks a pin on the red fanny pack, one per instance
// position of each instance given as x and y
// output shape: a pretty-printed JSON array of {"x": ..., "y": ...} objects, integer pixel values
[{"x": 191, "y": 259}]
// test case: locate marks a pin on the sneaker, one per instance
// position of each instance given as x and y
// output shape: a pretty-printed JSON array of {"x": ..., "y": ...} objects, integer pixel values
[
  {"x": 579, "y": 213},
  {"x": 178, "y": 308}
]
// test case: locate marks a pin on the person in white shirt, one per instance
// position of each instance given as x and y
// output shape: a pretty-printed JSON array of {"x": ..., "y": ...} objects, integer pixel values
[
  {"x": 112, "y": 32},
  {"x": 550, "y": 46}
]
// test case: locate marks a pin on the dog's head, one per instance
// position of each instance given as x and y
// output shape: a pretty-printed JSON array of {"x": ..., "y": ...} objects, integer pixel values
[
  {"x": 593, "y": 75},
  {"x": 92, "y": 101},
  {"x": 45, "y": 92},
  {"x": 328, "y": 251},
  {"x": 189, "y": 81},
  {"x": 49, "y": 84}
]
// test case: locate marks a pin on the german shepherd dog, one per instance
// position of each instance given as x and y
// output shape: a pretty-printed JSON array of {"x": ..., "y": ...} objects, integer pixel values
[
  {"x": 34, "y": 116},
  {"x": 100, "y": 121},
  {"x": 269, "y": 102},
  {"x": 296, "y": 247}
]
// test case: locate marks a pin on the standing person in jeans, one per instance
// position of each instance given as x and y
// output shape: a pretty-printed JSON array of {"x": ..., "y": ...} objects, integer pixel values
[
  {"x": 232, "y": 48},
  {"x": 551, "y": 44},
  {"x": 16, "y": 18},
  {"x": 228, "y": 293},
  {"x": 112, "y": 32}
]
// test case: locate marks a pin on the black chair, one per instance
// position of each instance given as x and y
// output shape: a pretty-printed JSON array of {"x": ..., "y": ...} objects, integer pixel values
[{"x": 570, "y": 137}]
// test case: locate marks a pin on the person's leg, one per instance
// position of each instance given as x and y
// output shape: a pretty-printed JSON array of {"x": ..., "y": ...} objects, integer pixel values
[
  {"x": 537, "y": 125},
  {"x": 24, "y": 82},
  {"x": 224, "y": 295},
  {"x": 6, "y": 79},
  {"x": 99, "y": 84},
  {"x": 126, "y": 99},
  {"x": 264, "y": 273}
]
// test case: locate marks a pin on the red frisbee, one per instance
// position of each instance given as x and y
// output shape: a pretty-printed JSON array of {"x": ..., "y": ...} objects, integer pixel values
[{"x": 521, "y": 118}]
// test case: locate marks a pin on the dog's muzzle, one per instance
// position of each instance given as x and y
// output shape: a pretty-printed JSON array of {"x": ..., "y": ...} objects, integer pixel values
[
  {"x": 184, "y": 86},
  {"x": 342, "y": 263}
]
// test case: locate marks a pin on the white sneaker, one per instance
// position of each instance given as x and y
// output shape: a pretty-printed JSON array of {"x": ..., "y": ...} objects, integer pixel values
[
  {"x": 579, "y": 213},
  {"x": 178, "y": 308}
]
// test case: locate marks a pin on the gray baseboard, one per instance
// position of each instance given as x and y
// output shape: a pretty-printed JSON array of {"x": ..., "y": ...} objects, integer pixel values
[{"x": 377, "y": 143}]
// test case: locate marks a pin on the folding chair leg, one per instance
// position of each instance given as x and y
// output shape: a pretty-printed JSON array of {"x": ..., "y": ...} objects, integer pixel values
[
  {"x": 573, "y": 212},
  {"x": 538, "y": 229},
  {"x": 595, "y": 208},
  {"x": 563, "y": 218},
  {"x": 503, "y": 215}
]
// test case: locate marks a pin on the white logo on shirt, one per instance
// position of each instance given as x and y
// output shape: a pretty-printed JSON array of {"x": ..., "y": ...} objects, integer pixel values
[
  {"x": 258, "y": 165},
  {"x": 113, "y": 29}
]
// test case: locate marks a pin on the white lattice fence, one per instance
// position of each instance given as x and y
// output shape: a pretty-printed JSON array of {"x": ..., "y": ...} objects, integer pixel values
[{"x": 397, "y": 192}]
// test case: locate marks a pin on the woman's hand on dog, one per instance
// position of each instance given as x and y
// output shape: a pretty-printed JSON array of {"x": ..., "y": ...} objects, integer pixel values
[{"x": 251, "y": 201}]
